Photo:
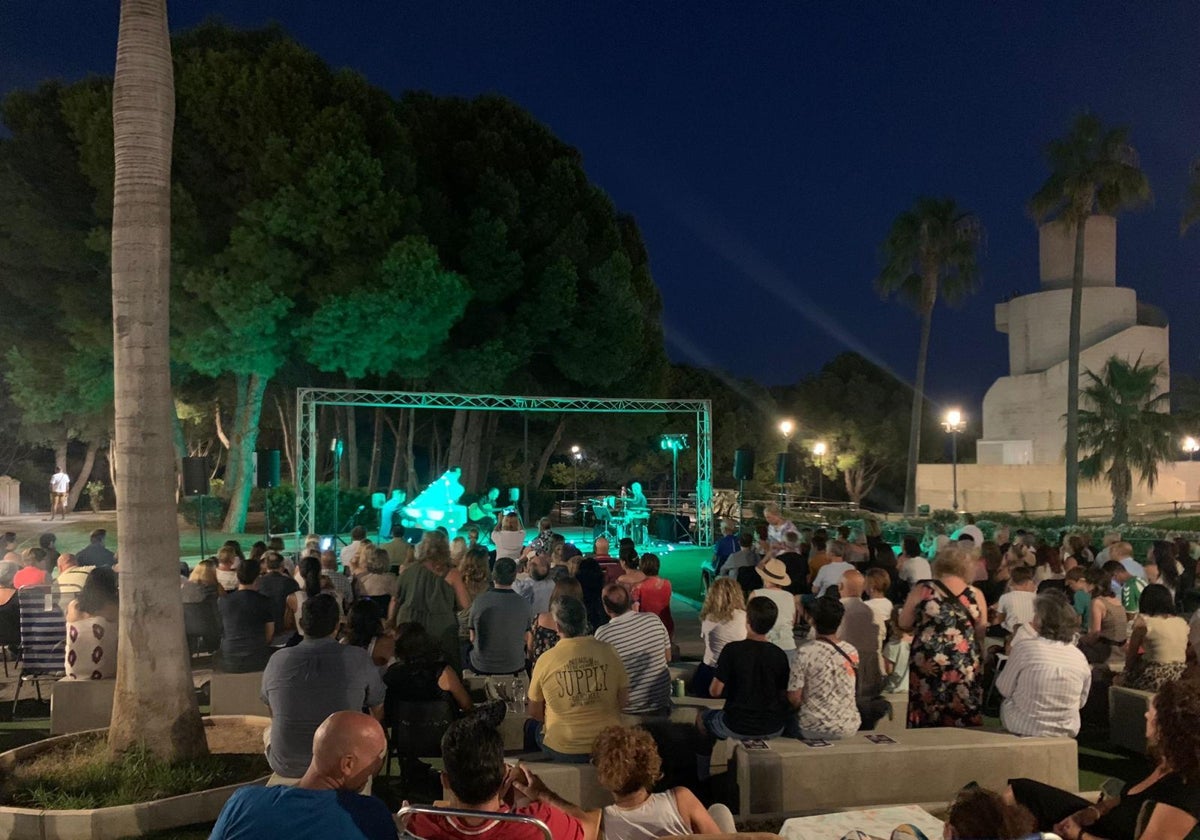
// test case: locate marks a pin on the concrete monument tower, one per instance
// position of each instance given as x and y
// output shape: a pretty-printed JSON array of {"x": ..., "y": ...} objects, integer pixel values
[{"x": 1023, "y": 412}]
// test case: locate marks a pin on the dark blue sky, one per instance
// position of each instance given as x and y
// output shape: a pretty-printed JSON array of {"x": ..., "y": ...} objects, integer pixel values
[{"x": 764, "y": 148}]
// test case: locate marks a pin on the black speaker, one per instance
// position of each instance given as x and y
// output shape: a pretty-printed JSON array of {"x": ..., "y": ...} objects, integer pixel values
[
  {"x": 195, "y": 476},
  {"x": 743, "y": 464},
  {"x": 783, "y": 468},
  {"x": 268, "y": 468}
]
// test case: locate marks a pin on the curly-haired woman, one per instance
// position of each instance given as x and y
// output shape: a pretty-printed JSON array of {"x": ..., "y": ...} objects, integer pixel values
[
  {"x": 1173, "y": 732},
  {"x": 628, "y": 766}
]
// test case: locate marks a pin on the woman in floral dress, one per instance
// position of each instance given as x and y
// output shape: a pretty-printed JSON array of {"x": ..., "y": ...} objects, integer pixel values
[{"x": 947, "y": 618}]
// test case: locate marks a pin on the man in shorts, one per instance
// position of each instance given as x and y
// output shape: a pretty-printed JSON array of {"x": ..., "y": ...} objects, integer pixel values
[{"x": 60, "y": 486}]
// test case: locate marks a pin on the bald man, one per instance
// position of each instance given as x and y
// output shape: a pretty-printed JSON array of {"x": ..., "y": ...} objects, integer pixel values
[
  {"x": 348, "y": 749},
  {"x": 862, "y": 628}
]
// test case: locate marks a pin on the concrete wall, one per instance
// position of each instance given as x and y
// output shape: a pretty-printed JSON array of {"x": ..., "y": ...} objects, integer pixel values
[
  {"x": 1056, "y": 253},
  {"x": 1040, "y": 487},
  {"x": 1038, "y": 324},
  {"x": 1031, "y": 407}
]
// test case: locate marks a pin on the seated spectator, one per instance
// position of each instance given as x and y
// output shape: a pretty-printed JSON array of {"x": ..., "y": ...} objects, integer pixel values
[
  {"x": 978, "y": 812},
  {"x": 349, "y": 553},
  {"x": 911, "y": 565},
  {"x": 1080, "y": 593},
  {"x": 642, "y": 642},
  {"x": 1128, "y": 585},
  {"x": 726, "y": 545},
  {"x": 608, "y": 564},
  {"x": 509, "y": 536},
  {"x": 48, "y": 542},
  {"x": 247, "y": 626},
  {"x": 94, "y": 553},
  {"x": 897, "y": 651},
  {"x": 377, "y": 581},
  {"x": 276, "y": 585},
  {"x": 592, "y": 580},
  {"x": 774, "y": 578},
  {"x": 722, "y": 620},
  {"x": 628, "y": 766},
  {"x": 476, "y": 778},
  {"x": 71, "y": 578},
  {"x": 1047, "y": 679},
  {"x": 304, "y": 684},
  {"x": 543, "y": 633},
  {"x": 541, "y": 543},
  {"x": 227, "y": 566},
  {"x": 10, "y": 612},
  {"x": 399, "y": 550},
  {"x": 458, "y": 550},
  {"x": 745, "y": 557},
  {"x": 631, "y": 573},
  {"x": 32, "y": 573},
  {"x": 341, "y": 584},
  {"x": 1158, "y": 642},
  {"x": 499, "y": 619},
  {"x": 878, "y": 582},
  {"x": 752, "y": 677},
  {"x": 92, "y": 620},
  {"x": 365, "y": 629},
  {"x": 653, "y": 595},
  {"x": 822, "y": 682},
  {"x": 1107, "y": 629},
  {"x": 348, "y": 748},
  {"x": 794, "y": 555},
  {"x": 1173, "y": 733},
  {"x": 864, "y": 630},
  {"x": 1015, "y": 606},
  {"x": 539, "y": 587},
  {"x": 419, "y": 673},
  {"x": 577, "y": 688},
  {"x": 831, "y": 573}
]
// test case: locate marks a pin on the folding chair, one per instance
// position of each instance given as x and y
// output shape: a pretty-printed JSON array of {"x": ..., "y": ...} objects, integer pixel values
[
  {"x": 408, "y": 810},
  {"x": 43, "y": 639}
]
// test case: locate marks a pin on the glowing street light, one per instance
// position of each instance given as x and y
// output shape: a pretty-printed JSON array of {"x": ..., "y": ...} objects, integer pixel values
[
  {"x": 818, "y": 452},
  {"x": 954, "y": 422},
  {"x": 576, "y": 457},
  {"x": 786, "y": 427},
  {"x": 1191, "y": 446}
]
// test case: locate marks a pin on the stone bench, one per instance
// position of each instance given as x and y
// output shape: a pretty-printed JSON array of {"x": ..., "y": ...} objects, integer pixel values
[
  {"x": 79, "y": 705},
  {"x": 1127, "y": 717},
  {"x": 236, "y": 694},
  {"x": 898, "y": 720},
  {"x": 924, "y": 765},
  {"x": 575, "y": 783}
]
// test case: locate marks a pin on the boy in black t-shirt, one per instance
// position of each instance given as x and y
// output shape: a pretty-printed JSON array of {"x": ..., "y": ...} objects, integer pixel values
[{"x": 752, "y": 676}]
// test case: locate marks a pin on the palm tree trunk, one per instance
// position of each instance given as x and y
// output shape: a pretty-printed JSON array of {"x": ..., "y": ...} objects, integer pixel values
[
  {"x": 1072, "y": 448},
  {"x": 918, "y": 408},
  {"x": 154, "y": 705}
]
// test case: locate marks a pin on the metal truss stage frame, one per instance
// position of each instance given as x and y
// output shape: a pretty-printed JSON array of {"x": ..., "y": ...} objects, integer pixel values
[{"x": 308, "y": 400}]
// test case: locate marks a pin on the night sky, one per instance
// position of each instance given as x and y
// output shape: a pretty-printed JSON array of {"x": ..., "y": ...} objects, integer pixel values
[{"x": 765, "y": 148}]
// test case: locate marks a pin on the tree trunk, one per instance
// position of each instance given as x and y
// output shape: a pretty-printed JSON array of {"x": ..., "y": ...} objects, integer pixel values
[
  {"x": 544, "y": 460},
  {"x": 1073, "y": 341},
  {"x": 60, "y": 453},
  {"x": 285, "y": 424},
  {"x": 154, "y": 704},
  {"x": 410, "y": 481},
  {"x": 472, "y": 440},
  {"x": 918, "y": 408},
  {"x": 398, "y": 436},
  {"x": 243, "y": 441},
  {"x": 351, "y": 447},
  {"x": 489, "y": 441},
  {"x": 455, "y": 450},
  {"x": 376, "y": 444},
  {"x": 85, "y": 472}
]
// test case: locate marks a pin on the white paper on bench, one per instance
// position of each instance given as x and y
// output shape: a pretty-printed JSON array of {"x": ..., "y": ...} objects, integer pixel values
[{"x": 877, "y": 822}]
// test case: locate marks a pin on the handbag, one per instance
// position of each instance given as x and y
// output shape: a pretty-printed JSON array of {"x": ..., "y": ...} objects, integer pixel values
[{"x": 871, "y": 710}]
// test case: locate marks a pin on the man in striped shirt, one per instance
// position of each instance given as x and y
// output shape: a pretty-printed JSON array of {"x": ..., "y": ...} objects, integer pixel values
[
  {"x": 1047, "y": 679},
  {"x": 644, "y": 646}
]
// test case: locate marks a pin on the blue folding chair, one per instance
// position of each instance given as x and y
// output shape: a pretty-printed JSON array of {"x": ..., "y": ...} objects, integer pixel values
[{"x": 43, "y": 639}]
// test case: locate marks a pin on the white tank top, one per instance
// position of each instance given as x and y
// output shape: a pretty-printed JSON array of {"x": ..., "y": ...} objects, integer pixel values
[{"x": 658, "y": 816}]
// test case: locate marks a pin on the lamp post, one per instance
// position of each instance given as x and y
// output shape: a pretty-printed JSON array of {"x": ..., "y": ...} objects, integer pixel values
[
  {"x": 786, "y": 427},
  {"x": 954, "y": 422},
  {"x": 576, "y": 457},
  {"x": 818, "y": 451},
  {"x": 1191, "y": 446}
]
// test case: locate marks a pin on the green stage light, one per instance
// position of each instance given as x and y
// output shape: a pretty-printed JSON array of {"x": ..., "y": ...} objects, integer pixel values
[{"x": 673, "y": 442}]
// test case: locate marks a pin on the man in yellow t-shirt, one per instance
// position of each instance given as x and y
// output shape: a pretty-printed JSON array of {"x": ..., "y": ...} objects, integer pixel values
[{"x": 578, "y": 687}]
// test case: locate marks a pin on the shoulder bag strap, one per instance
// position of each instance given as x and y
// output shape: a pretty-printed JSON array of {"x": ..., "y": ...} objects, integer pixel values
[{"x": 955, "y": 599}]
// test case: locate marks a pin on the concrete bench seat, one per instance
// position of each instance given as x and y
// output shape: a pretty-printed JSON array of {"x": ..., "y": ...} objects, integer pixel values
[
  {"x": 575, "y": 783},
  {"x": 79, "y": 705},
  {"x": 897, "y": 721},
  {"x": 924, "y": 765},
  {"x": 236, "y": 694},
  {"x": 1127, "y": 717}
]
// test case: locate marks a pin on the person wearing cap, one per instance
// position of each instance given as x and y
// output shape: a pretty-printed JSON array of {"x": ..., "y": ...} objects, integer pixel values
[{"x": 775, "y": 578}]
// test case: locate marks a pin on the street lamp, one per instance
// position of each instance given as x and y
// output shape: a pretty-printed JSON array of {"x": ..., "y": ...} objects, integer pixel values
[
  {"x": 1191, "y": 446},
  {"x": 576, "y": 457},
  {"x": 786, "y": 427},
  {"x": 954, "y": 422},
  {"x": 818, "y": 452}
]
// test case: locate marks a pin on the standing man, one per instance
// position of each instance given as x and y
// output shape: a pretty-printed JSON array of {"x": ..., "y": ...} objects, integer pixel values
[{"x": 60, "y": 486}]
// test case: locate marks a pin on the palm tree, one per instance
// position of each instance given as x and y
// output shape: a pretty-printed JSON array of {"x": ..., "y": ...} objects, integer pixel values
[
  {"x": 930, "y": 249},
  {"x": 1093, "y": 169},
  {"x": 1191, "y": 207},
  {"x": 1126, "y": 428},
  {"x": 155, "y": 703}
]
